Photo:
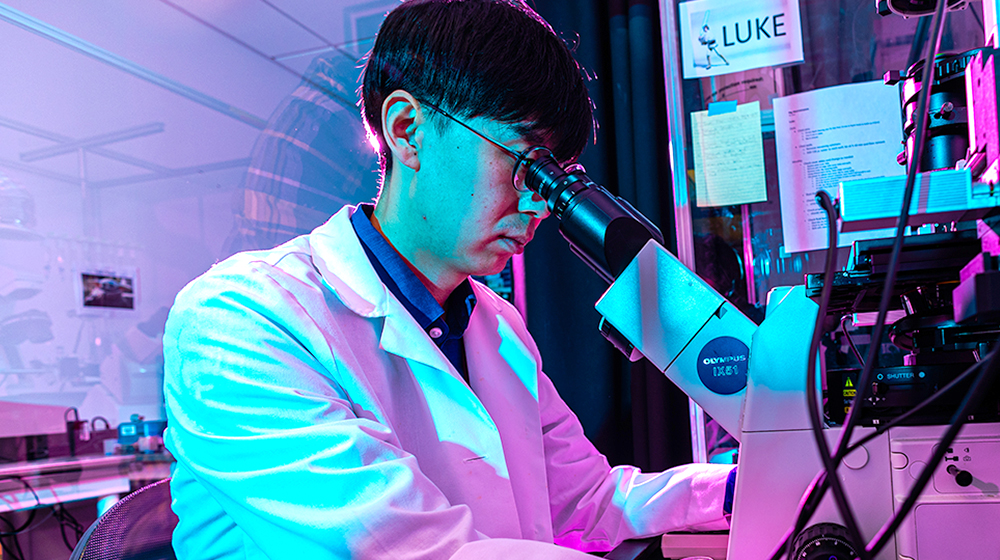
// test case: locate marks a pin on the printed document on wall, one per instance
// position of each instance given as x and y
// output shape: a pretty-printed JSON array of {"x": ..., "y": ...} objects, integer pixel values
[
  {"x": 826, "y": 136},
  {"x": 728, "y": 155}
]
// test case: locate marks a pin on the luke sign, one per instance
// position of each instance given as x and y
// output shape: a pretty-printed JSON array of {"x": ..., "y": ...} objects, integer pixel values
[{"x": 724, "y": 36}]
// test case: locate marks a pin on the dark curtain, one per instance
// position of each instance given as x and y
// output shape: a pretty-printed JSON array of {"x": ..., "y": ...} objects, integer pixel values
[{"x": 630, "y": 411}]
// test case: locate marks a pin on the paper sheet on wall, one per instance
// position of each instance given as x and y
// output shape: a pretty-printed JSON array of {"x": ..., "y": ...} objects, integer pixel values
[
  {"x": 728, "y": 156},
  {"x": 826, "y": 136}
]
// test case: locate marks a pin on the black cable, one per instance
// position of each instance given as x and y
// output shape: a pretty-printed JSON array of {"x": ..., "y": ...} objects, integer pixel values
[
  {"x": 817, "y": 491},
  {"x": 67, "y": 520},
  {"x": 809, "y": 503},
  {"x": 15, "y": 551},
  {"x": 78, "y": 528},
  {"x": 24, "y": 528},
  {"x": 30, "y": 524},
  {"x": 31, "y": 516},
  {"x": 62, "y": 532},
  {"x": 923, "y": 100},
  {"x": 815, "y": 412},
  {"x": 60, "y": 513},
  {"x": 902, "y": 418},
  {"x": 819, "y": 485},
  {"x": 850, "y": 340},
  {"x": 972, "y": 401}
]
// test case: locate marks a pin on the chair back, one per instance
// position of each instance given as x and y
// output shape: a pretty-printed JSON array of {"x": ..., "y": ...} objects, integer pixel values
[{"x": 138, "y": 527}]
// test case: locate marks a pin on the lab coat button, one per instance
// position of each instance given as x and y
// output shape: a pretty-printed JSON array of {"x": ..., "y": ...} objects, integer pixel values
[{"x": 435, "y": 332}]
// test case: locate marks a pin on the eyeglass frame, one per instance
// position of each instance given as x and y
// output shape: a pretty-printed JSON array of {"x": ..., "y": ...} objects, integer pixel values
[{"x": 520, "y": 158}]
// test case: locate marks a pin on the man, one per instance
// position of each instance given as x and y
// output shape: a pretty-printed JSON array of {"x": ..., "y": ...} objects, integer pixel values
[
  {"x": 352, "y": 394},
  {"x": 707, "y": 38}
]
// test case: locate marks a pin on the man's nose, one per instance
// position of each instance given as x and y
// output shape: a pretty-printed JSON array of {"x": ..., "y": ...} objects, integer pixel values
[{"x": 532, "y": 203}]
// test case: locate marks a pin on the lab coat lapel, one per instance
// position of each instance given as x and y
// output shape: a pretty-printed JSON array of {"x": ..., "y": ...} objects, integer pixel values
[
  {"x": 402, "y": 336},
  {"x": 504, "y": 373},
  {"x": 343, "y": 264},
  {"x": 345, "y": 267},
  {"x": 468, "y": 436}
]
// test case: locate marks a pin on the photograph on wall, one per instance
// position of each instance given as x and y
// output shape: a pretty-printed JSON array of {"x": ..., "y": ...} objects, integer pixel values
[
  {"x": 726, "y": 36},
  {"x": 113, "y": 290}
]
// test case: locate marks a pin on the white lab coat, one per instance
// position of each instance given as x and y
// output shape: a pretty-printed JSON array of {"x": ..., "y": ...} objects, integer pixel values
[{"x": 312, "y": 418}]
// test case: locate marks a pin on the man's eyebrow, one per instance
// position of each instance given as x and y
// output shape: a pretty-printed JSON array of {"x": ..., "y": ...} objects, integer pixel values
[{"x": 531, "y": 135}]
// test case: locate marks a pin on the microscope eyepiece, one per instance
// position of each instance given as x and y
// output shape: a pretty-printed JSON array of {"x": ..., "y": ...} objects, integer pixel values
[{"x": 601, "y": 228}]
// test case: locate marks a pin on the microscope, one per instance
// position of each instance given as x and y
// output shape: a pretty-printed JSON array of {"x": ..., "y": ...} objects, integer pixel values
[{"x": 754, "y": 380}]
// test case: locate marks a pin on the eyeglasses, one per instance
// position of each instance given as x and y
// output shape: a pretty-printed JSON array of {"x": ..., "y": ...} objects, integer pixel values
[{"x": 521, "y": 159}]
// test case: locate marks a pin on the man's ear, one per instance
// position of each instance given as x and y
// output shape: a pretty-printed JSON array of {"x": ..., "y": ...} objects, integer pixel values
[{"x": 401, "y": 124}]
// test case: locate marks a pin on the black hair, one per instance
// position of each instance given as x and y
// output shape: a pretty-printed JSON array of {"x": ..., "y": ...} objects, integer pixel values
[{"x": 480, "y": 58}]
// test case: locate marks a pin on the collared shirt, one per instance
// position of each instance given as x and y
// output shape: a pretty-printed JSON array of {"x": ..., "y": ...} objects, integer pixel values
[{"x": 445, "y": 329}]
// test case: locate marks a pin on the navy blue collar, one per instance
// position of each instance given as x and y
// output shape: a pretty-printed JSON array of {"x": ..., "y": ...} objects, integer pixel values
[{"x": 445, "y": 330}]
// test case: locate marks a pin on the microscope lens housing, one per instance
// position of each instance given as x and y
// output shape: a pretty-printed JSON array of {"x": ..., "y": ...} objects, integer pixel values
[{"x": 601, "y": 228}]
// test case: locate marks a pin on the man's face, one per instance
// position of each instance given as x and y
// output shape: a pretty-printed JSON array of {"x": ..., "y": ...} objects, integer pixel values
[{"x": 472, "y": 217}]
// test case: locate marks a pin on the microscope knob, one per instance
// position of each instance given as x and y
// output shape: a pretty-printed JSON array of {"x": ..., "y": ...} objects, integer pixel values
[
  {"x": 824, "y": 541},
  {"x": 880, "y": 388},
  {"x": 962, "y": 478}
]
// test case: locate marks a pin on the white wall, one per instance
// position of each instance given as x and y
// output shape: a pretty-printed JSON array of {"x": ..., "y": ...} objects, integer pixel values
[{"x": 166, "y": 230}]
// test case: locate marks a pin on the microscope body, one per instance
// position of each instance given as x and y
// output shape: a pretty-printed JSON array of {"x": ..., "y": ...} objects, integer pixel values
[{"x": 752, "y": 380}]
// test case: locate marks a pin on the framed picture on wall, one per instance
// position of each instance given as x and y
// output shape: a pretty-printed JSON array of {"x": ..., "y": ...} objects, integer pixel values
[{"x": 102, "y": 291}]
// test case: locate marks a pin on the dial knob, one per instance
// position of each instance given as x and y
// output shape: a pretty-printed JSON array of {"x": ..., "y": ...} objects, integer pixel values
[
  {"x": 962, "y": 478},
  {"x": 824, "y": 541}
]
